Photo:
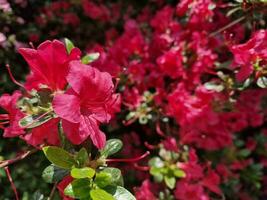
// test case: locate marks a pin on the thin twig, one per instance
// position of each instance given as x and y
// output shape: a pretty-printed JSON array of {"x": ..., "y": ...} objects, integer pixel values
[
  {"x": 18, "y": 158},
  {"x": 12, "y": 183},
  {"x": 52, "y": 192},
  {"x": 228, "y": 26}
]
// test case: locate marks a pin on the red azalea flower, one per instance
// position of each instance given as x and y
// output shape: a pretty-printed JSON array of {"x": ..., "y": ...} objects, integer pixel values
[
  {"x": 199, "y": 123},
  {"x": 8, "y": 103},
  {"x": 245, "y": 55},
  {"x": 251, "y": 144},
  {"x": 170, "y": 144},
  {"x": 188, "y": 191},
  {"x": 105, "y": 63},
  {"x": 171, "y": 63},
  {"x": 162, "y": 19},
  {"x": 94, "y": 11},
  {"x": 192, "y": 168},
  {"x": 144, "y": 192},
  {"x": 223, "y": 172},
  {"x": 49, "y": 64},
  {"x": 202, "y": 12},
  {"x": 62, "y": 185},
  {"x": 182, "y": 7},
  {"x": 71, "y": 18},
  {"x": 47, "y": 132},
  {"x": 86, "y": 104},
  {"x": 212, "y": 181}
]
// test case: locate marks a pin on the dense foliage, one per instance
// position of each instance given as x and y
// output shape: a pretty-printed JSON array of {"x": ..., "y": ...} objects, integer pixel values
[{"x": 178, "y": 86}]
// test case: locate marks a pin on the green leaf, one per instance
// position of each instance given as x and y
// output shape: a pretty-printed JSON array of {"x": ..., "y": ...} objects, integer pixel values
[
  {"x": 156, "y": 162},
  {"x": 52, "y": 174},
  {"x": 85, "y": 172},
  {"x": 213, "y": 86},
  {"x": 103, "y": 179},
  {"x": 38, "y": 195},
  {"x": 179, "y": 173},
  {"x": 262, "y": 82},
  {"x": 143, "y": 119},
  {"x": 31, "y": 122},
  {"x": 157, "y": 173},
  {"x": 82, "y": 157},
  {"x": 120, "y": 193},
  {"x": 112, "y": 146},
  {"x": 170, "y": 182},
  {"x": 69, "y": 45},
  {"x": 90, "y": 58},
  {"x": 244, "y": 153},
  {"x": 116, "y": 177},
  {"x": 79, "y": 188},
  {"x": 59, "y": 157},
  {"x": 99, "y": 194}
]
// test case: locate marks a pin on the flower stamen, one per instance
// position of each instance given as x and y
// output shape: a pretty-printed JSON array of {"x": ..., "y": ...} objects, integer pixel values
[
  {"x": 141, "y": 168},
  {"x": 129, "y": 159},
  {"x": 12, "y": 77}
]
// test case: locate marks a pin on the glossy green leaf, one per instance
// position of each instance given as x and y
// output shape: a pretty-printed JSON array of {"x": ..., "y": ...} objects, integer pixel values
[
  {"x": 179, "y": 173},
  {"x": 99, "y": 194},
  {"x": 31, "y": 122},
  {"x": 59, "y": 157},
  {"x": 170, "y": 182},
  {"x": 90, "y": 58},
  {"x": 157, "y": 173},
  {"x": 156, "y": 162},
  {"x": 82, "y": 157},
  {"x": 103, "y": 179},
  {"x": 52, "y": 174},
  {"x": 79, "y": 188},
  {"x": 69, "y": 45},
  {"x": 262, "y": 82},
  {"x": 116, "y": 176},
  {"x": 112, "y": 146},
  {"x": 85, "y": 172},
  {"x": 120, "y": 193}
]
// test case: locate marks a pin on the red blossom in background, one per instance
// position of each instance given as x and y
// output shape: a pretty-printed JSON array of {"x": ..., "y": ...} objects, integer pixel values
[
  {"x": 200, "y": 124},
  {"x": 248, "y": 54},
  {"x": 144, "y": 192},
  {"x": 171, "y": 64},
  {"x": 185, "y": 191}
]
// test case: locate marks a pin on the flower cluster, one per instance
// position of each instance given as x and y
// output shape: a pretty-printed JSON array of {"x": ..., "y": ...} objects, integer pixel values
[
  {"x": 186, "y": 81},
  {"x": 88, "y": 101}
]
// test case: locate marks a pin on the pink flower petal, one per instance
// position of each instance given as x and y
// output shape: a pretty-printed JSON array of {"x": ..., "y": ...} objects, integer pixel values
[
  {"x": 89, "y": 82},
  {"x": 72, "y": 132},
  {"x": 67, "y": 106},
  {"x": 90, "y": 126}
]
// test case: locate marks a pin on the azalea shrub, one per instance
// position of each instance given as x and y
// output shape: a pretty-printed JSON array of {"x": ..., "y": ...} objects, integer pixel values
[{"x": 133, "y": 100}]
